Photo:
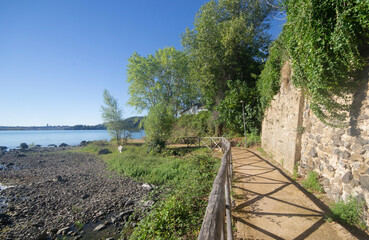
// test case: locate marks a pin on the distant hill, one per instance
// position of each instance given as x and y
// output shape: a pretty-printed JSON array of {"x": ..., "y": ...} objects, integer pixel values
[
  {"x": 75, "y": 127},
  {"x": 133, "y": 124}
]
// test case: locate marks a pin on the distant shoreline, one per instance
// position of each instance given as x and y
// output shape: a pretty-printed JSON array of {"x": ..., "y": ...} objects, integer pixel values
[{"x": 38, "y": 128}]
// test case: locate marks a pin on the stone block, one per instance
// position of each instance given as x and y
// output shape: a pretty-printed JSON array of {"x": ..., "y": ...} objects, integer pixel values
[
  {"x": 347, "y": 177},
  {"x": 356, "y": 157},
  {"x": 354, "y": 183},
  {"x": 347, "y": 144},
  {"x": 346, "y": 154},
  {"x": 364, "y": 181},
  {"x": 356, "y": 174},
  {"x": 313, "y": 152},
  {"x": 363, "y": 168},
  {"x": 361, "y": 141},
  {"x": 338, "y": 152},
  {"x": 357, "y": 148}
]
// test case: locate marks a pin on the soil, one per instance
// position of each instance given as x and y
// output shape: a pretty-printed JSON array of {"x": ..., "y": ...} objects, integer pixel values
[{"x": 58, "y": 192}]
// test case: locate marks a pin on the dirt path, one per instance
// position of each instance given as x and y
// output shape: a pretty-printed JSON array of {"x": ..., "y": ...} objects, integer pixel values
[{"x": 270, "y": 205}]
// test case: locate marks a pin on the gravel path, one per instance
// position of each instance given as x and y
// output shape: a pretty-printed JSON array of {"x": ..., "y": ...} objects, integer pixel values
[{"x": 53, "y": 189}]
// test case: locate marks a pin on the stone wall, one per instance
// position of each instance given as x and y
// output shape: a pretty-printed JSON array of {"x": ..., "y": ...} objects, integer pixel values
[
  {"x": 280, "y": 127},
  {"x": 340, "y": 155}
]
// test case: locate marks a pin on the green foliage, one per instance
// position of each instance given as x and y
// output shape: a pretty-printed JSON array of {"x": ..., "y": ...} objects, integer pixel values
[
  {"x": 162, "y": 78},
  {"x": 193, "y": 125},
  {"x": 230, "y": 108},
  {"x": 228, "y": 42},
  {"x": 311, "y": 182},
  {"x": 179, "y": 213},
  {"x": 158, "y": 126},
  {"x": 324, "y": 40},
  {"x": 295, "y": 173},
  {"x": 79, "y": 224},
  {"x": 350, "y": 212},
  {"x": 113, "y": 116},
  {"x": 96, "y": 146},
  {"x": 269, "y": 80}
]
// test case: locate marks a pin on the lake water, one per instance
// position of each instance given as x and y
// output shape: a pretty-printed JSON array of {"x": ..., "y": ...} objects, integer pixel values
[{"x": 12, "y": 139}]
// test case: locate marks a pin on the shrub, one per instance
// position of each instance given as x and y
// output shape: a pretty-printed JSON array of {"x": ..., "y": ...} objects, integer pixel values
[
  {"x": 350, "y": 212},
  {"x": 193, "y": 125},
  {"x": 311, "y": 182}
]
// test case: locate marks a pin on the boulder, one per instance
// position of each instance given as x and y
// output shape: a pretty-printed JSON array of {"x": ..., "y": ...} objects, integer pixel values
[
  {"x": 63, "y": 145},
  {"x": 4, "y": 219},
  {"x": 147, "y": 186},
  {"x": 99, "y": 227},
  {"x": 3, "y": 148},
  {"x": 51, "y": 145},
  {"x": 104, "y": 151},
  {"x": 23, "y": 146}
]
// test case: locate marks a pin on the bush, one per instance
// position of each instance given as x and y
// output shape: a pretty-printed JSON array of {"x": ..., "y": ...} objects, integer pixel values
[
  {"x": 193, "y": 125},
  {"x": 158, "y": 126},
  {"x": 350, "y": 212}
]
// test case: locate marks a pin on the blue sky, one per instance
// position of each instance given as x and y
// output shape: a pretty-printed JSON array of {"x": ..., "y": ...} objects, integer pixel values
[{"x": 56, "y": 57}]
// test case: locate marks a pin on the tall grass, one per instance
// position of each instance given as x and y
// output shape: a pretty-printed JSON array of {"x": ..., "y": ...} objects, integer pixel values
[{"x": 189, "y": 176}]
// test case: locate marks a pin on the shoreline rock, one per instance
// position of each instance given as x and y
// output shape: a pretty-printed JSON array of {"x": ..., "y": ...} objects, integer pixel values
[{"x": 53, "y": 189}]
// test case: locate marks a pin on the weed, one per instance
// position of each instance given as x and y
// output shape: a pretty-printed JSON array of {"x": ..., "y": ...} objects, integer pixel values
[
  {"x": 350, "y": 212},
  {"x": 79, "y": 224},
  {"x": 311, "y": 182},
  {"x": 76, "y": 209},
  {"x": 295, "y": 174},
  {"x": 282, "y": 162},
  {"x": 262, "y": 151},
  {"x": 253, "y": 140},
  {"x": 300, "y": 130}
]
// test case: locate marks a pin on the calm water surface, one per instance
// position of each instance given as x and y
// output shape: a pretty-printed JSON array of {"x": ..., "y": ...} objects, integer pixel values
[{"x": 12, "y": 139}]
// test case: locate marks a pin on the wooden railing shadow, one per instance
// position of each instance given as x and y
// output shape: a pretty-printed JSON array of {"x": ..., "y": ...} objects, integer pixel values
[{"x": 324, "y": 209}]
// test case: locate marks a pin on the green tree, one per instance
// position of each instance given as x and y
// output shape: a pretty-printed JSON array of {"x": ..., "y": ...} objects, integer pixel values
[
  {"x": 161, "y": 78},
  {"x": 229, "y": 42},
  {"x": 112, "y": 115},
  {"x": 230, "y": 108},
  {"x": 158, "y": 126}
]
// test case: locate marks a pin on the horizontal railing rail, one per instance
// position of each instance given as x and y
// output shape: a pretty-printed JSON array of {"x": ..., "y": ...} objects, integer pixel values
[{"x": 217, "y": 223}]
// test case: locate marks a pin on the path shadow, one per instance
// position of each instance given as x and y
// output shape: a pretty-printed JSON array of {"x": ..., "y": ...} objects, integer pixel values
[{"x": 325, "y": 211}]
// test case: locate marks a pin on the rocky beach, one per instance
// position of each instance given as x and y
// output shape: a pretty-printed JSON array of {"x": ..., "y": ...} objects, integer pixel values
[{"x": 56, "y": 192}]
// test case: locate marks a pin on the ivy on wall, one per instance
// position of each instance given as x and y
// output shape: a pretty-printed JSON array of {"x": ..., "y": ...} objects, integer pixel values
[{"x": 324, "y": 40}]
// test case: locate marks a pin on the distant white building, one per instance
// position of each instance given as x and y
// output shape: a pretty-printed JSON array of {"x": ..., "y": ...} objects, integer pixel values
[{"x": 194, "y": 109}]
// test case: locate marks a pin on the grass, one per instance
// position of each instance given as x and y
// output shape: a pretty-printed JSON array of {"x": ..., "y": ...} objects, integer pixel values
[
  {"x": 186, "y": 180},
  {"x": 311, "y": 182},
  {"x": 79, "y": 224},
  {"x": 350, "y": 212}
]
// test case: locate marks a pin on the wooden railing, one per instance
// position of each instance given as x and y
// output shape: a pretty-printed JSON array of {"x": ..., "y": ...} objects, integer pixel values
[{"x": 217, "y": 220}]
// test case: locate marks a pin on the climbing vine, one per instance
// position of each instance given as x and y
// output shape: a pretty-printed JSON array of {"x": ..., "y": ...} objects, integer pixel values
[
  {"x": 269, "y": 79},
  {"x": 325, "y": 41}
]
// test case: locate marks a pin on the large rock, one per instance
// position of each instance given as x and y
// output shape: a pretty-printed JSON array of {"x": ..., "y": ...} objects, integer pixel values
[
  {"x": 99, "y": 227},
  {"x": 104, "y": 151},
  {"x": 23, "y": 146},
  {"x": 63, "y": 145}
]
